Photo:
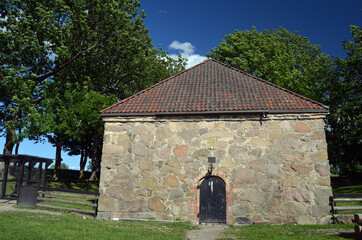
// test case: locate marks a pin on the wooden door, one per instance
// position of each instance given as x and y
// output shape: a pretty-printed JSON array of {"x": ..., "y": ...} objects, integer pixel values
[{"x": 212, "y": 201}]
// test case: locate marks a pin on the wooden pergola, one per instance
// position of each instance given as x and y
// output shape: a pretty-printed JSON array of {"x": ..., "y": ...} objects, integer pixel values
[{"x": 20, "y": 160}]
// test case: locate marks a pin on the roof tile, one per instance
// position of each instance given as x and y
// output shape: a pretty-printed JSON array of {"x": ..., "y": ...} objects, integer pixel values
[{"x": 210, "y": 87}]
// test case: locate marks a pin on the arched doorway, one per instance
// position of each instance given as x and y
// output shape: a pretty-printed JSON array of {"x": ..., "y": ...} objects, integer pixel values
[{"x": 212, "y": 200}]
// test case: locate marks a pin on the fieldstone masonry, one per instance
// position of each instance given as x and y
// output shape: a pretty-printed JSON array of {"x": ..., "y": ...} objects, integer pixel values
[{"x": 275, "y": 167}]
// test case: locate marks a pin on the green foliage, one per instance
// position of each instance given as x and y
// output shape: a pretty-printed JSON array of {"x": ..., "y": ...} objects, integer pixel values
[
  {"x": 291, "y": 61},
  {"x": 61, "y": 62},
  {"x": 279, "y": 56},
  {"x": 62, "y": 166},
  {"x": 344, "y": 132},
  {"x": 24, "y": 225}
]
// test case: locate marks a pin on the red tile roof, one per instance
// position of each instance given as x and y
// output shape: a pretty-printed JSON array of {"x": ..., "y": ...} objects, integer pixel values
[{"x": 213, "y": 87}]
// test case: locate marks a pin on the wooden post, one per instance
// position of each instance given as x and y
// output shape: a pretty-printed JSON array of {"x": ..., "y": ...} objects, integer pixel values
[
  {"x": 17, "y": 164},
  {"x": 40, "y": 170},
  {"x": 29, "y": 173},
  {"x": 45, "y": 174},
  {"x": 5, "y": 178},
  {"x": 21, "y": 175}
]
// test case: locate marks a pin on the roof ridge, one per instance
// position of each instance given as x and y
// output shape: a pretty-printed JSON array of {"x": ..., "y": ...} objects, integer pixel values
[
  {"x": 270, "y": 83},
  {"x": 155, "y": 85}
]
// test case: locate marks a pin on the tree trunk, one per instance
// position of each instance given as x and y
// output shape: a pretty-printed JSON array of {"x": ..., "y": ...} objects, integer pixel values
[
  {"x": 10, "y": 141},
  {"x": 96, "y": 156},
  {"x": 83, "y": 162},
  {"x": 58, "y": 160},
  {"x": 8, "y": 147}
]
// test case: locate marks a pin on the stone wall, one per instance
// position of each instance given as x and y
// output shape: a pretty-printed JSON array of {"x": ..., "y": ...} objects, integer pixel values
[{"x": 275, "y": 168}]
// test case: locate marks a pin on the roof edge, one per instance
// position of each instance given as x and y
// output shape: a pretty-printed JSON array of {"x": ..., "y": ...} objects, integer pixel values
[{"x": 276, "y": 111}]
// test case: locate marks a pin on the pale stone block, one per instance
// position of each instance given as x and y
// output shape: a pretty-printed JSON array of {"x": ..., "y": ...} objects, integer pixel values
[
  {"x": 291, "y": 181},
  {"x": 217, "y": 134},
  {"x": 146, "y": 164},
  {"x": 164, "y": 133},
  {"x": 305, "y": 219},
  {"x": 321, "y": 210},
  {"x": 301, "y": 127},
  {"x": 273, "y": 206},
  {"x": 128, "y": 194},
  {"x": 136, "y": 205},
  {"x": 257, "y": 165},
  {"x": 294, "y": 208},
  {"x": 219, "y": 125},
  {"x": 146, "y": 183},
  {"x": 175, "y": 126},
  {"x": 171, "y": 180},
  {"x": 163, "y": 153},
  {"x": 141, "y": 150},
  {"x": 297, "y": 195},
  {"x": 241, "y": 209},
  {"x": 320, "y": 135},
  {"x": 274, "y": 133},
  {"x": 211, "y": 143},
  {"x": 321, "y": 156},
  {"x": 188, "y": 134},
  {"x": 205, "y": 124},
  {"x": 176, "y": 194},
  {"x": 322, "y": 196},
  {"x": 293, "y": 157},
  {"x": 114, "y": 149},
  {"x": 254, "y": 196},
  {"x": 180, "y": 151},
  {"x": 235, "y": 150},
  {"x": 227, "y": 162},
  {"x": 114, "y": 191},
  {"x": 302, "y": 169},
  {"x": 262, "y": 134},
  {"x": 200, "y": 153},
  {"x": 243, "y": 176},
  {"x": 322, "y": 169},
  {"x": 176, "y": 140},
  {"x": 156, "y": 205},
  {"x": 322, "y": 146}
]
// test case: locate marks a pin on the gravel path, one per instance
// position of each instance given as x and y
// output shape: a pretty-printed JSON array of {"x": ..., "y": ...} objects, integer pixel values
[
  {"x": 10, "y": 205},
  {"x": 206, "y": 232}
]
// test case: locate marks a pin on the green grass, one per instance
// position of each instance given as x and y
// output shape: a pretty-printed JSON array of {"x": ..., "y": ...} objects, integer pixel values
[
  {"x": 23, "y": 225},
  {"x": 82, "y": 185},
  {"x": 69, "y": 205},
  {"x": 76, "y": 185},
  {"x": 280, "y": 232},
  {"x": 347, "y": 185},
  {"x": 10, "y": 187}
]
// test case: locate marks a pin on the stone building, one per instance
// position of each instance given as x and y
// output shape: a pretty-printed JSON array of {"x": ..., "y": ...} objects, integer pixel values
[{"x": 215, "y": 144}]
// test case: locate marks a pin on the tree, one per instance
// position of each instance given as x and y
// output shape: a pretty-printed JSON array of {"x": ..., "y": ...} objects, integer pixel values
[
  {"x": 101, "y": 46},
  {"x": 279, "y": 56},
  {"x": 344, "y": 131}
]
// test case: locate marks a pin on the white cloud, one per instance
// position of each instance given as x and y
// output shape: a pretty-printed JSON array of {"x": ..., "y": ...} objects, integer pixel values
[
  {"x": 187, "y": 50},
  {"x": 162, "y": 11}
]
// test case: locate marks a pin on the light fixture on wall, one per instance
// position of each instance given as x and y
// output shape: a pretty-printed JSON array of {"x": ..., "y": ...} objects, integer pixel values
[{"x": 210, "y": 160}]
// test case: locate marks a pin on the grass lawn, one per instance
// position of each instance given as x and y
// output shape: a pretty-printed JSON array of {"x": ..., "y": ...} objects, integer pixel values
[
  {"x": 23, "y": 225},
  {"x": 333, "y": 231}
]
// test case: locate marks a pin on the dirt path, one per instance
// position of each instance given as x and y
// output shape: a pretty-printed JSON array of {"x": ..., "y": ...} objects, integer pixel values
[
  {"x": 10, "y": 205},
  {"x": 206, "y": 232}
]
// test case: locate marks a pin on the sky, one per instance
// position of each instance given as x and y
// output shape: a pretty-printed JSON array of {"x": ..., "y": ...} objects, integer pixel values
[{"x": 193, "y": 27}]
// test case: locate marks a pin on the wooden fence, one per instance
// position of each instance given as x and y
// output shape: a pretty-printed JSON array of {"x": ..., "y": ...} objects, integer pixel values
[
  {"x": 339, "y": 211},
  {"x": 47, "y": 194}
]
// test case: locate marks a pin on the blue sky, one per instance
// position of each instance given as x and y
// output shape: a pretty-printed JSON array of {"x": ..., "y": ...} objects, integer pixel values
[{"x": 194, "y": 27}]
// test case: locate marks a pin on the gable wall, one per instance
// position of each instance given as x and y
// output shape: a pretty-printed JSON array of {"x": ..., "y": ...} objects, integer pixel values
[{"x": 275, "y": 168}]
